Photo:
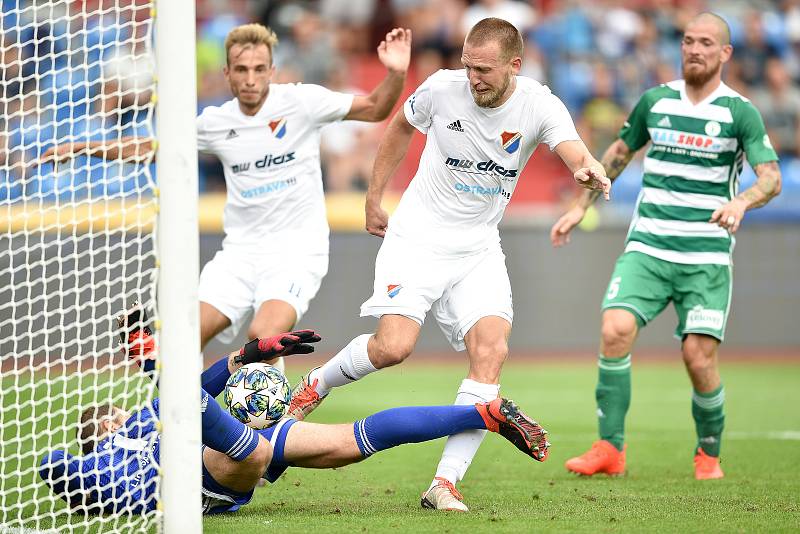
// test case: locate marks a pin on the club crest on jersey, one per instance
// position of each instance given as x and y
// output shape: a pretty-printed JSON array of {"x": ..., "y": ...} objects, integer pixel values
[
  {"x": 278, "y": 127},
  {"x": 713, "y": 128},
  {"x": 393, "y": 289},
  {"x": 510, "y": 141}
]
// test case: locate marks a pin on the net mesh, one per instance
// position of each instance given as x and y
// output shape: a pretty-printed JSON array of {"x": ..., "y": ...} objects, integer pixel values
[{"x": 77, "y": 250}]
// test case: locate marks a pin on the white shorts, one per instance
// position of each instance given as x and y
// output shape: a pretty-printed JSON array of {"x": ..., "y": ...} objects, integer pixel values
[
  {"x": 238, "y": 281},
  {"x": 410, "y": 280}
]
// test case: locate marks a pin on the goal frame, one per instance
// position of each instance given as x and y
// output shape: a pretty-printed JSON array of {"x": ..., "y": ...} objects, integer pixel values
[{"x": 178, "y": 271}]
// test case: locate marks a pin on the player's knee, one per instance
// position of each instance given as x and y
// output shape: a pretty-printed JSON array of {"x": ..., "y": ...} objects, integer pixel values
[
  {"x": 259, "y": 459},
  {"x": 698, "y": 353},
  {"x": 388, "y": 351},
  {"x": 618, "y": 330}
]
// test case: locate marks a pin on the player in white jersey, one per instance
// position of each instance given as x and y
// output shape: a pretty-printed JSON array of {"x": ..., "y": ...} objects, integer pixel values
[
  {"x": 681, "y": 238},
  {"x": 267, "y": 139},
  {"x": 441, "y": 250}
]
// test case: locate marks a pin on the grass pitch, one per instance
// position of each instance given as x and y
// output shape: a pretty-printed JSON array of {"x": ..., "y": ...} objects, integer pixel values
[{"x": 507, "y": 491}]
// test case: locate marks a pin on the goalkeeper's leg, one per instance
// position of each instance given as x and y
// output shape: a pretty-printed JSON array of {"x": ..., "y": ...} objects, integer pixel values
[
  {"x": 235, "y": 455},
  {"x": 324, "y": 446}
]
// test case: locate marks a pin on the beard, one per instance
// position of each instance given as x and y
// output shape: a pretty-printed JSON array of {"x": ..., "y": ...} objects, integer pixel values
[
  {"x": 698, "y": 77},
  {"x": 490, "y": 98}
]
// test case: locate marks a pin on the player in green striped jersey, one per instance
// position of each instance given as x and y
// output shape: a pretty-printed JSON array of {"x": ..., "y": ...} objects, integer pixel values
[{"x": 680, "y": 240}]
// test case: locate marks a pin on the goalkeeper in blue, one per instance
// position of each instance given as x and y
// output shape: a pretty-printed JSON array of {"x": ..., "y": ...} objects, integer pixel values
[{"x": 119, "y": 466}]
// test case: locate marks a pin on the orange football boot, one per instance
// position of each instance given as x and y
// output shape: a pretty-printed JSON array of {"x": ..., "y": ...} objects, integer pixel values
[
  {"x": 706, "y": 467},
  {"x": 504, "y": 417},
  {"x": 603, "y": 457}
]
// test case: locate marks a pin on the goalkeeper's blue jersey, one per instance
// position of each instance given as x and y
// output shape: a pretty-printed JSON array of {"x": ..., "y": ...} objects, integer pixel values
[{"x": 120, "y": 474}]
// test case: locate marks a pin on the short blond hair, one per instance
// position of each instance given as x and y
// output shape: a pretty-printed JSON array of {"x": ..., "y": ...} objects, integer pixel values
[
  {"x": 500, "y": 31},
  {"x": 250, "y": 35}
]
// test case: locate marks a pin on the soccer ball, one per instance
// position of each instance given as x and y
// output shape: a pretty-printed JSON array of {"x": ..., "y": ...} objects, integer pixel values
[{"x": 258, "y": 395}]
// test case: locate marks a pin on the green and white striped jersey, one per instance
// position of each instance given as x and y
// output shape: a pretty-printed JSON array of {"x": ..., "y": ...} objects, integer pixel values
[{"x": 691, "y": 169}]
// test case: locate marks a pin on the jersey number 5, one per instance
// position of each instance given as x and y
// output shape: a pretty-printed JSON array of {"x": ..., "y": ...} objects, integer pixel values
[{"x": 613, "y": 288}]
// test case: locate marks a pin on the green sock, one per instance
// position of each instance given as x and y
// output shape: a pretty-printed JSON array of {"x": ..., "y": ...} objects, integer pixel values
[
  {"x": 709, "y": 419},
  {"x": 613, "y": 396}
]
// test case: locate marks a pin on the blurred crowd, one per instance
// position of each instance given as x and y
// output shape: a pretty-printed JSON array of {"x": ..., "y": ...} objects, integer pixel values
[{"x": 598, "y": 56}]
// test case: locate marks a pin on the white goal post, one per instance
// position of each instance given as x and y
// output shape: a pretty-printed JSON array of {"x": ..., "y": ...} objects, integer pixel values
[
  {"x": 83, "y": 238},
  {"x": 177, "y": 289}
]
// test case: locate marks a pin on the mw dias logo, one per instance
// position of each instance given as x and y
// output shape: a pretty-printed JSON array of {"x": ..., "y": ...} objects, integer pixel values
[
  {"x": 486, "y": 167},
  {"x": 240, "y": 167},
  {"x": 264, "y": 163},
  {"x": 269, "y": 160}
]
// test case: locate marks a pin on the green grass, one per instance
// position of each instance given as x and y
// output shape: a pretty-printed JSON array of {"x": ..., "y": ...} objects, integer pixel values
[{"x": 508, "y": 492}]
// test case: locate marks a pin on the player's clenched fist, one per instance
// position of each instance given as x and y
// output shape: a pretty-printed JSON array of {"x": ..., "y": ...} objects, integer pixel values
[
  {"x": 594, "y": 179},
  {"x": 377, "y": 220}
]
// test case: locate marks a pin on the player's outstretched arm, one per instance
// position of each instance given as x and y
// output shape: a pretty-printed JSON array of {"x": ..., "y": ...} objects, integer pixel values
[
  {"x": 767, "y": 187},
  {"x": 614, "y": 161},
  {"x": 133, "y": 149},
  {"x": 587, "y": 171},
  {"x": 395, "y": 54},
  {"x": 391, "y": 152}
]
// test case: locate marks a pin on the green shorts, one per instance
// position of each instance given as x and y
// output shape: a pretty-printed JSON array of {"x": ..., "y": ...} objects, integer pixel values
[{"x": 645, "y": 285}]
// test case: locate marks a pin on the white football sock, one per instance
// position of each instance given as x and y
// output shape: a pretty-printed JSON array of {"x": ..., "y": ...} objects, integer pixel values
[
  {"x": 460, "y": 449},
  {"x": 350, "y": 364},
  {"x": 280, "y": 365}
]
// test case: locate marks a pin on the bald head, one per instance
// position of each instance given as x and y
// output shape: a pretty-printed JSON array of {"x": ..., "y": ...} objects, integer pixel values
[
  {"x": 721, "y": 28},
  {"x": 705, "y": 47}
]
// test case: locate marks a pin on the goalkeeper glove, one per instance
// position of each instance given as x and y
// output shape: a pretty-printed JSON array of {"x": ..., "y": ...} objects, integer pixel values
[
  {"x": 135, "y": 334},
  {"x": 286, "y": 344}
]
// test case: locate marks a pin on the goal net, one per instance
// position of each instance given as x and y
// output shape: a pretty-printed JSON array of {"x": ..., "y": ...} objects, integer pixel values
[{"x": 81, "y": 244}]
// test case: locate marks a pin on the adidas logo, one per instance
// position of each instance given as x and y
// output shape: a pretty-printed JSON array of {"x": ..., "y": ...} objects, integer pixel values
[
  {"x": 231, "y": 134},
  {"x": 455, "y": 126},
  {"x": 664, "y": 122}
]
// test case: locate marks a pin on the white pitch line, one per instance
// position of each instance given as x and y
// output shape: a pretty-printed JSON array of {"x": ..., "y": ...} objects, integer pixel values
[
  {"x": 787, "y": 435},
  {"x": 776, "y": 435}
]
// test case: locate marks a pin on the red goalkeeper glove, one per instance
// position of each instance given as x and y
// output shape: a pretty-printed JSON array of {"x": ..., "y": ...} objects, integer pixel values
[
  {"x": 136, "y": 335},
  {"x": 286, "y": 344}
]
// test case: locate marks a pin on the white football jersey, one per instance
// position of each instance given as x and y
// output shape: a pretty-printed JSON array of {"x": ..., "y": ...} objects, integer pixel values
[
  {"x": 473, "y": 158},
  {"x": 272, "y": 166}
]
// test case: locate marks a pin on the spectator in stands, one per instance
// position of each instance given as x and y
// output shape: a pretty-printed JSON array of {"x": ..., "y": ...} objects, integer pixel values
[
  {"x": 752, "y": 54},
  {"x": 602, "y": 116},
  {"x": 520, "y": 14},
  {"x": 779, "y": 102},
  {"x": 309, "y": 51},
  {"x": 347, "y": 148}
]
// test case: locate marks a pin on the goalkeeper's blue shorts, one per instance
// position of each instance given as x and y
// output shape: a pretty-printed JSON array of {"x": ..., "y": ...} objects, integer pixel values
[{"x": 218, "y": 499}]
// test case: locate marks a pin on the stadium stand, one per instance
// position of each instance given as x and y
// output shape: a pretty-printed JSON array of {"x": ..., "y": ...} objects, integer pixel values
[{"x": 597, "y": 58}]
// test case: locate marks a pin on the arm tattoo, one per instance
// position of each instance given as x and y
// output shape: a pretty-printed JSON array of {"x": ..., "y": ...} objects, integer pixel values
[
  {"x": 767, "y": 186},
  {"x": 614, "y": 162}
]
